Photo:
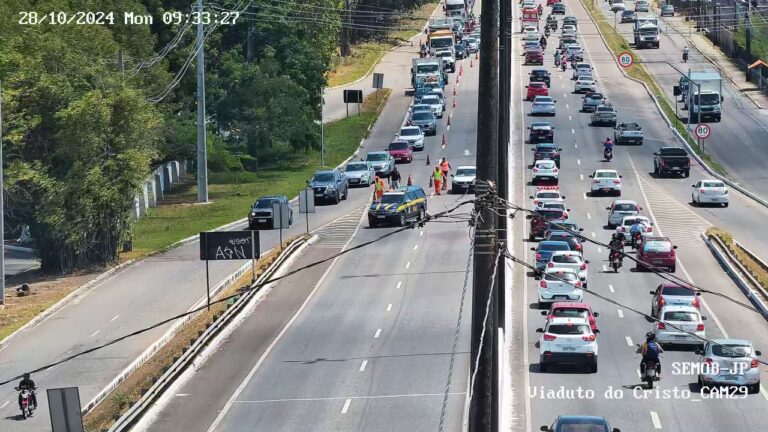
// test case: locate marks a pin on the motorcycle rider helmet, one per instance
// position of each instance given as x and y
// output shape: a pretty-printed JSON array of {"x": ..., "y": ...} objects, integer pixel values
[
  {"x": 26, "y": 375},
  {"x": 650, "y": 337},
  {"x": 615, "y": 236}
]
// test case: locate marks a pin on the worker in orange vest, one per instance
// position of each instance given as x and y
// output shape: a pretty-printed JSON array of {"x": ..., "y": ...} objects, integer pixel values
[
  {"x": 379, "y": 188},
  {"x": 438, "y": 179},
  {"x": 445, "y": 167}
]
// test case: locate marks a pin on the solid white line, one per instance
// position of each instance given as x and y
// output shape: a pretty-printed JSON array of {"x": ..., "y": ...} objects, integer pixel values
[
  {"x": 629, "y": 341},
  {"x": 589, "y": 215},
  {"x": 95, "y": 333},
  {"x": 610, "y": 288},
  {"x": 407, "y": 265},
  {"x": 399, "y": 284},
  {"x": 116, "y": 317},
  {"x": 377, "y": 334},
  {"x": 415, "y": 247},
  {"x": 620, "y": 313},
  {"x": 345, "y": 408},
  {"x": 363, "y": 365},
  {"x": 655, "y": 420},
  {"x": 389, "y": 307},
  {"x": 6, "y": 403}
]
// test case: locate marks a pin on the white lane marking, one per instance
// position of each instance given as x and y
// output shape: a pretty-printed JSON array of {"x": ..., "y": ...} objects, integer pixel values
[
  {"x": 620, "y": 313},
  {"x": 3, "y": 405},
  {"x": 581, "y": 176},
  {"x": 116, "y": 317},
  {"x": 415, "y": 247},
  {"x": 594, "y": 235},
  {"x": 599, "y": 250},
  {"x": 399, "y": 284},
  {"x": 566, "y": 106},
  {"x": 466, "y": 152},
  {"x": 389, "y": 307},
  {"x": 95, "y": 333},
  {"x": 363, "y": 365},
  {"x": 655, "y": 420},
  {"x": 584, "y": 195},
  {"x": 569, "y": 118},
  {"x": 573, "y": 131},
  {"x": 577, "y": 146},
  {"x": 377, "y": 334},
  {"x": 610, "y": 288},
  {"x": 182, "y": 394},
  {"x": 578, "y": 161},
  {"x": 407, "y": 265},
  {"x": 638, "y": 373},
  {"x": 589, "y": 215},
  {"x": 421, "y": 233},
  {"x": 629, "y": 341},
  {"x": 605, "y": 269},
  {"x": 345, "y": 408},
  {"x": 763, "y": 392}
]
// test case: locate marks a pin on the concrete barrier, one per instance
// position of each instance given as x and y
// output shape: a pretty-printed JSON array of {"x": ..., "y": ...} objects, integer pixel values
[
  {"x": 165, "y": 171},
  {"x": 174, "y": 166},
  {"x": 151, "y": 189}
]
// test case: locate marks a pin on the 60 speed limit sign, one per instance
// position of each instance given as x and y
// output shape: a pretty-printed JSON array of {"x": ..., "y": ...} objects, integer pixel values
[
  {"x": 625, "y": 59},
  {"x": 702, "y": 131}
]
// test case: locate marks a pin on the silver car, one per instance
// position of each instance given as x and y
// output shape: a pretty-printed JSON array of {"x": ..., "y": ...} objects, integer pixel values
[
  {"x": 413, "y": 135},
  {"x": 383, "y": 163},
  {"x": 730, "y": 362},
  {"x": 687, "y": 319},
  {"x": 473, "y": 44},
  {"x": 543, "y": 105},
  {"x": 619, "y": 209},
  {"x": 360, "y": 173}
]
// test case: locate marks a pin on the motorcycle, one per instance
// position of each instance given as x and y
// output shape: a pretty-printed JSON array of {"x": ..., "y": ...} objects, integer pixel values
[
  {"x": 546, "y": 32},
  {"x": 615, "y": 261},
  {"x": 685, "y": 57},
  {"x": 608, "y": 154},
  {"x": 27, "y": 407},
  {"x": 650, "y": 375},
  {"x": 557, "y": 61},
  {"x": 636, "y": 239},
  {"x": 563, "y": 66}
]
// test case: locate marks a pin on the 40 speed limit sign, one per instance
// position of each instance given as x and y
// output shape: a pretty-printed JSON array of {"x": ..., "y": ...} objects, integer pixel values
[
  {"x": 625, "y": 59},
  {"x": 702, "y": 131}
]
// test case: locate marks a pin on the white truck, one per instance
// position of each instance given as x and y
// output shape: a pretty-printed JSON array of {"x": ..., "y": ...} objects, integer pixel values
[
  {"x": 702, "y": 95},
  {"x": 646, "y": 32},
  {"x": 455, "y": 8},
  {"x": 436, "y": 24}
]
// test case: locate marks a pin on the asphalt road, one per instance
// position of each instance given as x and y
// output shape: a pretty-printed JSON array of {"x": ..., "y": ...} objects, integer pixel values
[
  {"x": 371, "y": 348},
  {"x": 737, "y": 141},
  {"x": 667, "y": 201}
]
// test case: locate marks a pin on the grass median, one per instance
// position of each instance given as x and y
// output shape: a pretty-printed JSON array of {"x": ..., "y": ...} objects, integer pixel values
[
  {"x": 366, "y": 54},
  {"x": 617, "y": 43},
  {"x": 232, "y": 193},
  {"x": 755, "y": 268}
]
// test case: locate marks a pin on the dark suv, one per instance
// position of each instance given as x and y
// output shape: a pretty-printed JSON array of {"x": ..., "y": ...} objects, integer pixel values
[
  {"x": 399, "y": 206},
  {"x": 541, "y": 132},
  {"x": 539, "y": 222},
  {"x": 547, "y": 151},
  {"x": 540, "y": 75},
  {"x": 261, "y": 212},
  {"x": 329, "y": 185}
]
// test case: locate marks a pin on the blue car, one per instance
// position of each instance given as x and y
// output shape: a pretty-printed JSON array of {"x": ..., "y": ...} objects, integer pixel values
[
  {"x": 566, "y": 423},
  {"x": 546, "y": 249}
]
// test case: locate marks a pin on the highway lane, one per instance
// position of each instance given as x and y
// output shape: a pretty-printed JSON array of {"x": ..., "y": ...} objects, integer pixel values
[
  {"x": 145, "y": 293},
  {"x": 735, "y": 142},
  {"x": 371, "y": 349},
  {"x": 582, "y": 154}
]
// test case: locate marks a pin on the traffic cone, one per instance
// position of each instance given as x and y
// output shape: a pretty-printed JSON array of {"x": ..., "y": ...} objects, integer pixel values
[
  {"x": 461, "y": 70},
  {"x": 445, "y": 142},
  {"x": 454, "y": 90},
  {"x": 477, "y": 55},
  {"x": 470, "y": 63},
  {"x": 410, "y": 180},
  {"x": 428, "y": 163},
  {"x": 449, "y": 120},
  {"x": 454, "y": 102}
]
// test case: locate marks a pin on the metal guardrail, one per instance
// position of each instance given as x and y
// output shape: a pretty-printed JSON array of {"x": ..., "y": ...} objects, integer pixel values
[
  {"x": 756, "y": 293},
  {"x": 127, "y": 420}
]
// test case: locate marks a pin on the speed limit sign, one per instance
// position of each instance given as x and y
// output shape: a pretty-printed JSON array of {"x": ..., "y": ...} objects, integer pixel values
[
  {"x": 625, "y": 59},
  {"x": 702, "y": 131}
]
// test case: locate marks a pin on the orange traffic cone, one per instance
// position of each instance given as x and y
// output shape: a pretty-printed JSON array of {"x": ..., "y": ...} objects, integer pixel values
[
  {"x": 410, "y": 180},
  {"x": 477, "y": 55},
  {"x": 445, "y": 142},
  {"x": 454, "y": 102},
  {"x": 428, "y": 163}
]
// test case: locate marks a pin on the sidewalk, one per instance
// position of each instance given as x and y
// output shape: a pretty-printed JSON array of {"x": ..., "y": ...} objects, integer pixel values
[{"x": 727, "y": 66}]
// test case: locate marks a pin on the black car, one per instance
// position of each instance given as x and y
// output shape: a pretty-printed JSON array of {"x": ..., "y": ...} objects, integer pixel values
[
  {"x": 399, "y": 206},
  {"x": 558, "y": 9},
  {"x": 462, "y": 50},
  {"x": 540, "y": 75},
  {"x": 330, "y": 185},
  {"x": 628, "y": 16},
  {"x": 566, "y": 423},
  {"x": 261, "y": 216},
  {"x": 547, "y": 151},
  {"x": 541, "y": 132}
]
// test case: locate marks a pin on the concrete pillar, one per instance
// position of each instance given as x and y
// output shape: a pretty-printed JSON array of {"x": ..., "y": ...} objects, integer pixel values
[
  {"x": 142, "y": 196},
  {"x": 158, "y": 186},
  {"x": 151, "y": 189},
  {"x": 136, "y": 213},
  {"x": 174, "y": 166},
  {"x": 183, "y": 168},
  {"x": 166, "y": 172}
]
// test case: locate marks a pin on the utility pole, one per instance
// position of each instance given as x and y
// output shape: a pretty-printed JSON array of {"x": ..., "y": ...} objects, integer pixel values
[
  {"x": 322, "y": 127},
  {"x": 505, "y": 82},
  {"x": 345, "y": 50},
  {"x": 483, "y": 415},
  {"x": 2, "y": 206},
  {"x": 202, "y": 150},
  {"x": 250, "y": 46}
]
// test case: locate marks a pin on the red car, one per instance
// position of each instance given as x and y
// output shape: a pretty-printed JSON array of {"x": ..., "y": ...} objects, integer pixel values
[
  {"x": 536, "y": 89},
  {"x": 657, "y": 252},
  {"x": 401, "y": 151},
  {"x": 540, "y": 224},
  {"x": 534, "y": 57},
  {"x": 552, "y": 2},
  {"x": 572, "y": 310}
]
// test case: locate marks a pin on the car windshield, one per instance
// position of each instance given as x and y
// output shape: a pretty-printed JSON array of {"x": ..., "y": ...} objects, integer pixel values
[
  {"x": 560, "y": 276},
  {"x": 410, "y": 132},
  {"x": 427, "y": 69},
  {"x": 657, "y": 246},
  {"x": 466, "y": 171},
  {"x": 551, "y": 214},
  {"x": 430, "y": 100},
  {"x": 567, "y": 259},
  {"x": 595, "y": 96},
  {"x": 570, "y": 313},
  {"x": 553, "y": 247},
  {"x": 561, "y": 237},
  {"x": 444, "y": 54},
  {"x": 545, "y": 165},
  {"x": 265, "y": 202},
  {"x": 706, "y": 99},
  {"x": 581, "y": 425},
  {"x": 420, "y": 107},
  {"x": 605, "y": 174},
  {"x": 376, "y": 157},
  {"x": 392, "y": 198},
  {"x": 677, "y": 291},
  {"x": 624, "y": 207},
  {"x": 569, "y": 329},
  {"x": 423, "y": 116},
  {"x": 731, "y": 351},
  {"x": 546, "y": 195},
  {"x": 441, "y": 42},
  {"x": 357, "y": 167},
  {"x": 712, "y": 184},
  {"x": 323, "y": 177},
  {"x": 686, "y": 316},
  {"x": 543, "y": 100},
  {"x": 537, "y": 85},
  {"x": 398, "y": 146}
]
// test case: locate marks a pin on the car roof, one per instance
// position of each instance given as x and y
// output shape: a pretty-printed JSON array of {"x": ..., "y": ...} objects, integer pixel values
[
  {"x": 624, "y": 201},
  {"x": 731, "y": 341},
  {"x": 581, "y": 417},
  {"x": 540, "y": 70},
  {"x": 545, "y": 145},
  {"x": 546, "y": 161},
  {"x": 329, "y": 171},
  {"x": 570, "y": 305},
  {"x": 561, "y": 233},
  {"x": 466, "y": 167},
  {"x": 657, "y": 238},
  {"x": 270, "y": 197},
  {"x": 541, "y": 124},
  {"x": 680, "y": 308},
  {"x": 378, "y": 152},
  {"x": 560, "y": 270},
  {"x": 568, "y": 252},
  {"x": 410, "y": 127},
  {"x": 635, "y": 217},
  {"x": 606, "y": 170},
  {"x": 568, "y": 320}
]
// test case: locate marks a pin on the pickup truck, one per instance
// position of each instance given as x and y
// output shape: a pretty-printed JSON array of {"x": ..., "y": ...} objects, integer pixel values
[
  {"x": 604, "y": 114},
  {"x": 671, "y": 160},
  {"x": 628, "y": 133}
]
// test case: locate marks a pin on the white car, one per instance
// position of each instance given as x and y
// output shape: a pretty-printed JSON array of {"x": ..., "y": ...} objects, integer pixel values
[
  {"x": 529, "y": 3},
  {"x": 546, "y": 194},
  {"x": 620, "y": 209},
  {"x": 544, "y": 170},
  {"x": 559, "y": 284},
  {"x": 567, "y": 340},
  {"x": 529, "y": 29},
  {"x": 531, "y": 37},
  {"x": 569, "y": 29},
  {"x": 731, "y": 362},
  {"x": 585, "y": 83},
  {"x": 463, "y": 181},
  {"x": 605, "y": 181},
  {"x": 581, "y": 69},
  {"x": 413, "y": 135},
  {"x": 687, "y": 318},
  {"x": 642, "y": 6},
  {"x": 626, "y": 223},
  {"x": 543, "y": 105},
  {"x": 434, "y": 102},
  {"x": 618, "y": 6},
  {"x": 554, "y": 205},
  {"x": 710, "y": 192},
  {"x": 473, "y": 44},
  {"x": 572, "y": 260}
]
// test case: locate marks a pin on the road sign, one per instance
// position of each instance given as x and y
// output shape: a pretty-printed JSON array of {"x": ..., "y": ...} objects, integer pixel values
[
  {"x": 625, "y": 59},
  {"x": 229, "y": 245},
  {"x": 378, "y": 80},
  {"x": 702, "y": 131},
  {"x": 64, "y": 408}
]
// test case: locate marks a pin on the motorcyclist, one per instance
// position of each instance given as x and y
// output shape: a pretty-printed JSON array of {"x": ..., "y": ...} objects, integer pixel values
[
  {"x": 616, "y": 245},
  {"x": 607, "y": 145},
  {"x": 564, "y": 64},
  {"x": 685, "y": 53},
  {"x": 543, "y": 42},
  {"x": 651, "y": 350},
  {"x": 26, "y": 383},
  {"x": 636, "y": 228},
  {"x": 423, "y": 50},
  {"x": 557, "y": 57}
]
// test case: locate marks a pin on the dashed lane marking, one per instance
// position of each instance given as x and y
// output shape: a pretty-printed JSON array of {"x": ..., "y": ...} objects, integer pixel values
[
  {"x": 345, "y": 408},
  {"x": 377, "y": 334},
  {"x": 115, "y": 317},
  {"x": 655, "y": 420},
  {"x": 629, "y": 341},
  {"x": 407, "y": 265},
  {"x": 363, "y": 365},
  {"x": 389, "y": 307},
  {"x": 610, "y": 288},
  {"x": 620, "y": 313},
  {"x": 399, "y": 284}
]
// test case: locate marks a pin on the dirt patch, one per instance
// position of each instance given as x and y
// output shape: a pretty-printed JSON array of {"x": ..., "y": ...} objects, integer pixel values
[{"x": 127, "y": 393}]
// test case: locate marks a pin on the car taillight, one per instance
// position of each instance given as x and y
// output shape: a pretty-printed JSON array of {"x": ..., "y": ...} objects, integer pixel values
[
  {"x": 701, "y": 190},
  {"x": 555, "y": 170},
  {"x": 584, "y": 266},
  {"x": 550, "y": 265},
  {"x": 577, "y": 284},
  {"x": 755, "y": 363},
  {"x": 565, "y": 215},
  {"x": 590, "y": 338},
  {"x": 535, "y": 170},
  {"x": 649, "y": 229},
  {"x": 695, "y": 302},
  {"x": 538, "y": 256},
  {"x": 578, "y": 247},
  {"x": 661, "y": 326},
  {"x": 549, "y": 337},
  {"x": 617, "y": 182},
  {"x": 543, "y": 284},
  {"x": 700, "y": 327},
  {"x": 708, "y": 361}
]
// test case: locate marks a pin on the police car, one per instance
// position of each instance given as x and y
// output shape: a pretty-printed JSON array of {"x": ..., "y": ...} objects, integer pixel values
[
  {"x": 567, "y": 340},
  {"x": 398, "y": 207}
]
